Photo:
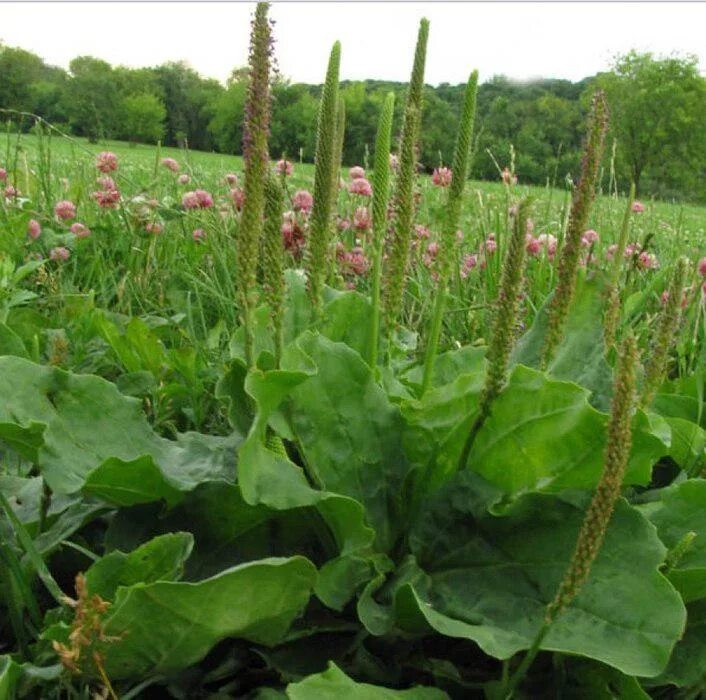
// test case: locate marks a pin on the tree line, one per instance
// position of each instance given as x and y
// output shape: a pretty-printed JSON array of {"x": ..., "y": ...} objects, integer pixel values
[{"x": 658, "y": 111}]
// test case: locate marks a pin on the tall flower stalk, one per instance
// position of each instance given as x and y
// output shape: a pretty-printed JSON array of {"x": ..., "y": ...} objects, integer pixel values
[
  {"x": 600, "y": 511},
  {"x": 256, "y": 162},
  {"x": 381, "y": 187},
  {"x": 324, "y": 166},
  {"x": 612, "y": 315},
  {"x": 656, "y": 366},
  {"x": 273, "y": 261},
  {"x": 460, "y": 167},
  {"x": 583, "y": 197},
  {"x": 403, "y": 198},
  {"x": 502, "y": 337}
]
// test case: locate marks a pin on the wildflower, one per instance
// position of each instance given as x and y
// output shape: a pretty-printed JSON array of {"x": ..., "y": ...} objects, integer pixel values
[
  {"x": 647, "y": 261},
  {"x": 353, "y": 262},
  {"x": 197, "y": 199},
  {"x": 65, "y": 209},
  {"x": 11, "y": 191},
  {"x": 184, "y": 179},
  {"x": 198, "y": 234},
  {"x": 343, "y": 224},
  {"x": 106, "y": 183},
  {"x": 3, "y": 175},
  {"x": 638, "y": 207},
  {"x": 489, "y": 246},
  {"x": 190, "y": 200},
  {"x": 702, "y": 267},
  {"x": 106, "y": 199},
  {"x": 394, "y": 162},
  {"x": 422, "y": 232},
  {"x": 238, "y": 197},
  {"x": 361, "y": 186},
  {"x": 441, "y": 177},
  {"x": 589, "y": 238},
  {"x": 469, "y": 262},
  {"x": 664, "y": 299},
  {"x": 231, "y": 179},
  {"x": 170, "y": 164},
  {"x": 508, "y": 177},
  {"x": 34, "y": 230},
  {"x": 362, "y": 218},
  {"x": 284, "y": 167},
  {"x": 356, "y": 172},
  {"x": 204, "y": 198},
  {"x": 154, "y": 228},
  {"x": 292, "y": 234},
  {"x": 80, "y": 230},
  {"x": 549, "y": 242},
  {"x": 107, "y": 162},
  {"x": 303, "y": 200},
  {"x": 59, "y": 253},
  {"x": 532, "y": 245}
]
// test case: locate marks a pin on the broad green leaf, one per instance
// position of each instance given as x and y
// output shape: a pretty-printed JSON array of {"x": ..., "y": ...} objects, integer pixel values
[
  {"x": 687, "y": 666},
  {"x": 688, "y": 444},
  {"x": 167, "y": 626},
  {"x": 349, "y": 432},
  {"x": 448, "y": 366},
  {"x": 437, "y": 426},
  {"x": 542, "y": 434},
  {"x": 11, "y": 343},
  {"x": 681, "y": 398},
  {"x": 268, "y": 478},
  {"x": 489, "y": 578},
  {"x": 73, "y": 424},
  {"x": 579, "y": 357},
  {"x": 10, "y": 673},
  {"x": 333, "y": 684},
  {"x": 679, "y": 510},
  {"x": 17, "y": 679},
  {"x": 160, "y": 559},
  {"x": 591, "y": 681},
  {"x": 346, "y": 319}
]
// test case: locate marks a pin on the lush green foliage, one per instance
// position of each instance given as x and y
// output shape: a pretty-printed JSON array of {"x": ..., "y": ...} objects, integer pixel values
[
  {"x": 657, "y": 105},
  {"x": 193, "y": 508}
]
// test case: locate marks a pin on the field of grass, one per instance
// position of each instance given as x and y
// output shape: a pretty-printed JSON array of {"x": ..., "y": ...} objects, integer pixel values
[{"x": 211, "y": 491}]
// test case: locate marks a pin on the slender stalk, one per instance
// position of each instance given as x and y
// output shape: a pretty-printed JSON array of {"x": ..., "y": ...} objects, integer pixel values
[
  {"x": 600, "y": 511},
  {"x": 320, "y": 222},
  {"x": 656, "y": 367},
  {"x": 584, "y": 194},
  {"x": 612, "y": 315},
  {"x": 459, "y": 170},
  {"x": 273, "y": 254},
  {"x": 403, "y": 198},
  {"x": 256, "y": 163},
  {"x": 381, "y": 193},
  {"x": 502, "y": 336}
]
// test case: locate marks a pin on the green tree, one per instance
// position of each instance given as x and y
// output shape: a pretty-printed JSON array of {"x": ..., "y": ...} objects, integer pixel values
[
  {"x": 658, "y": 109},
  {"x": 18, "y": 70},
  {"x": 143, "y": 118},
  {"x": 226, "y": 125},
  {"x": 92, "y": 102}
]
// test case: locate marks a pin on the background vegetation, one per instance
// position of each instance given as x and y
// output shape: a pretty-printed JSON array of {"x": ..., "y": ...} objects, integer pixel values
[{"x": 657, "y": 108}]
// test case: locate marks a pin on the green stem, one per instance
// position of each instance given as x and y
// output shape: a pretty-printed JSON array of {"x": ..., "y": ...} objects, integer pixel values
[
  {"x": 381, "y": 186},
  {"x": 521, "y": 671}
]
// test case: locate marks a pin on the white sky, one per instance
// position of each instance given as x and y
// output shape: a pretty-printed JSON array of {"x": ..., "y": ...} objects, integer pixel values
[{"x": 521, "y": 39}]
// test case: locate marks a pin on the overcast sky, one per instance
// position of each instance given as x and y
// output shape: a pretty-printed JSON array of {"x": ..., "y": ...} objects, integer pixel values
[{"x": 522, "y": 39}]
